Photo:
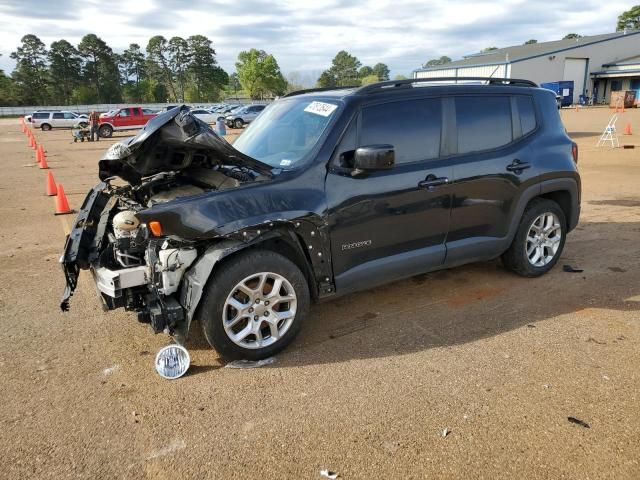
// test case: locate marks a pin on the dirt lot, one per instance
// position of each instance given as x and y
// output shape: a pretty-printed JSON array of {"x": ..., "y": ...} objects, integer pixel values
[{"x": 499, "y": 361}]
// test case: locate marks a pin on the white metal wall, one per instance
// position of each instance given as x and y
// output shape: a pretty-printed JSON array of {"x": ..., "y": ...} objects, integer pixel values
[
  {"x": 575, "y": 69},
  {"x": 497, "y": 71}
]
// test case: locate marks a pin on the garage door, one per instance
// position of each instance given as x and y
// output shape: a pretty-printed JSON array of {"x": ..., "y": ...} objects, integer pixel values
[{"x": 574, "y": 69}]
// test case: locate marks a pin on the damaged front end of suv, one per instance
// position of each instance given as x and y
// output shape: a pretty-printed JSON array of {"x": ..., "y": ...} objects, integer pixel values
[{"x": 152, "y": 240}]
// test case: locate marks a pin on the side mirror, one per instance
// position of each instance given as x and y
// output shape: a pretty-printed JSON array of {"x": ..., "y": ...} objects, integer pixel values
[{"x": 374, "y": 157}]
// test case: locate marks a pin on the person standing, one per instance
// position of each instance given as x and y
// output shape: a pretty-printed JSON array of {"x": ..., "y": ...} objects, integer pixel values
[{"x": 94, "y": 121}]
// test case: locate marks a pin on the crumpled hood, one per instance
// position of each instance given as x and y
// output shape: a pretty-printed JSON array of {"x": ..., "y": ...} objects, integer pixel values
[{"x": 167, "y": 143}]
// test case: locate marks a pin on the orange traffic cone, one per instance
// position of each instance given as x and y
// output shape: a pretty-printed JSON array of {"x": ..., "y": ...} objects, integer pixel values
[
  {"x": 627, "y": 129},
  {"x": 38, "y": 154},
  {"x": 52, "y": 190},
  {"x": 43, "y": 161},
  {"x": 62, "y": 204}
]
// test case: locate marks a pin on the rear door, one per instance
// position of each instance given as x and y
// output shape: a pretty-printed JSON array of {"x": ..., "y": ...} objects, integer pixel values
[
  {"x": 492, "y": 166},
  {"x": 57, "y": 120},
  {"x": 390, "y": 224}
]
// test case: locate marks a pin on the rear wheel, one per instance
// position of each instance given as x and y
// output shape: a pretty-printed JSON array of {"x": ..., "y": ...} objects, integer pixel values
[
  {"x": 254, "y": 305},
  {"x": 105, "y": 131},
  {"x": 238, "y": 123},
  {"x": 539, "y": 240},
  {"x": 45, "y": 127}
]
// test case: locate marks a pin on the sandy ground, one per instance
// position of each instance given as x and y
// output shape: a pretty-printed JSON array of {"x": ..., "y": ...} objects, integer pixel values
[{"x": 499, "y": 361}]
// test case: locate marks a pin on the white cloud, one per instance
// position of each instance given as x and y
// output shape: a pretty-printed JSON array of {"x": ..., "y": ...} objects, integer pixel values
[{"x": 304, "y": 36}]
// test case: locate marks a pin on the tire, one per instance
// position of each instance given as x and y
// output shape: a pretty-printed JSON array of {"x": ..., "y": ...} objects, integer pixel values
[
  {"x": 247, "y": 269},
  {"x": 105, "y": 131},
  {"x": 45, "y": 127},
  {"x": 524, "y": 251},
  {"x": 238, "y": 123},
  {"x": 84, "y": 124}
]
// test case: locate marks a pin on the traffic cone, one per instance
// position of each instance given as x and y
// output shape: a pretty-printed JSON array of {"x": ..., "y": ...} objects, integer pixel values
[
  {"x": 52, "y": 190},
  {"x": 627, "y": 129},
  {"x": 38, "y": 154},
  {"x": 577, "y": 108},
  {"x": 43, "y": 161},
  {"x": 62, "y": 204}
]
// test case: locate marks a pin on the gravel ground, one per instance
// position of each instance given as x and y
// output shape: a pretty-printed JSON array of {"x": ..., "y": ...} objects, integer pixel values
[{"x": 375, "y": 378}]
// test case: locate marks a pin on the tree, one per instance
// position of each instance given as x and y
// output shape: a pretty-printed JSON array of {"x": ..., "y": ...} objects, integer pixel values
[
  {"x": 157, "y": 53},
  {"x": 488, "y": 49},
  {"x": 30, "y": 74},
  {"x": 234, "y": 84},
  {"x": 179, "y": 57},
  {"x": 629, "y": 19},
  {"x": 208, "y": 78},
  {"x": 381, "y": 71},
  {"x": 327, "y": 80},
  {"x": 531, "y": 42},
  {"x": 434, "y": 62},
  {"x": 369, "y": 79},
  {"x": 365, "y": 71},
  {"x": 6, "y": 90},
  {"x": 134, "y": 63},
  {"x": 344, "y": 69},
  {"x": 571, "y": 36},
  {"x": 100, "y": 68},
  {"x": 260, "y": 74},
  {"x": 64, "y": 70},
  {"x": 400, "y": 77}
]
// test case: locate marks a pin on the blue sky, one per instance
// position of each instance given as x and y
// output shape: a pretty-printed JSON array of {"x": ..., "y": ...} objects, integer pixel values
[{"x": 304, "y": 36}]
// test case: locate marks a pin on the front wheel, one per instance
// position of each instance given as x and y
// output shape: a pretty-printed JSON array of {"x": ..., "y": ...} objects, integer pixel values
[
  {"x": 254, "y": 305},
  {"x": 238, "y": 123},
  {"x": 45, "y": 127},
  {"x": 539, "y": 241}
]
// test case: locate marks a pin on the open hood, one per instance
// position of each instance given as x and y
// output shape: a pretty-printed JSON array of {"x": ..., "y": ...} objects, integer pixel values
[{"x": 171, "y": 141}]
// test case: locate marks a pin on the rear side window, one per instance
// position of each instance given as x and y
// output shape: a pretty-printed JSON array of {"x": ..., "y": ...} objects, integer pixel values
[
  {"x": 412, "y": 126},
  {"x": 484, "y": 123},
  {"x": 58, "y": 115},
  {"x": 526, "y": 113},
  {"x": 40, "y": 115}
]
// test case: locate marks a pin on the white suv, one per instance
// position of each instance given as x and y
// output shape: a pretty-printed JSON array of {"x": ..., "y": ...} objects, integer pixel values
[{"x": 49, "y": 120}]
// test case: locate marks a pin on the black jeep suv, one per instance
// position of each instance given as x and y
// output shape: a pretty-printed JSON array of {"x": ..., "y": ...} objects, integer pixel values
[{"x": 329, "y": 191}]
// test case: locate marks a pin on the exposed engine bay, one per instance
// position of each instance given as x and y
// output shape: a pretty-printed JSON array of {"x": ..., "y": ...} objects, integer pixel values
[{"x": 134, "y": 264}]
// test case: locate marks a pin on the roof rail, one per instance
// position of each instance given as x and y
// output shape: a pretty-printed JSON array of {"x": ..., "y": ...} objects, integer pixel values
[
  {"x": 320, "y": 89},
  {"x": 375, "y": 87}
]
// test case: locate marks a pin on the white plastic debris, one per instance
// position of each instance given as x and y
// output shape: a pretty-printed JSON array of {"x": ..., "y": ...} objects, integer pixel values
[
  {"x": 250, "y": 363},
  {"x": 328, "y": 474},
  {"x": 445, "y": 432}
]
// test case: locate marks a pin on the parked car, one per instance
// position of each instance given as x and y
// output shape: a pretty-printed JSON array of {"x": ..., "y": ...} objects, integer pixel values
[
  {"x": 128, "y": 118},
  {"x": 327, "y": 192},
  {"x": 56, "y": 119},
  {"x": 239, "y": 117},
  {"x": 205, "y": 115}
]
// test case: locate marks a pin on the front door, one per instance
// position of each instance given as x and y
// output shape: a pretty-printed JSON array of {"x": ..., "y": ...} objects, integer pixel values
[{"x": 390, "y": 224}]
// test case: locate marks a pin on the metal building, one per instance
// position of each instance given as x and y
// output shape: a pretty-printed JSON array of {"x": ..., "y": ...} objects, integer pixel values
[{"x": 596, "y": 64}]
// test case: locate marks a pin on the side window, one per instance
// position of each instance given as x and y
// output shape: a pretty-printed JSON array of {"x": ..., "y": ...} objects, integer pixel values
[
  {"x": 412, "y": 126},
  {"x": 483, "y": 123},
  {"x": 58, "y": 116},
  {"x": 526, "y": 113},
  {"x": 124, "y": 112},
  {"x": 136, "y": 112},
  {"x": 68, "y": 116}
]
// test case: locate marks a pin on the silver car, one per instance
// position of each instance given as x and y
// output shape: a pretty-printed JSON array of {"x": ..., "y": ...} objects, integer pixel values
[
  {"x": 242, "y": 115},
  {"x": 60, "y": 119}
]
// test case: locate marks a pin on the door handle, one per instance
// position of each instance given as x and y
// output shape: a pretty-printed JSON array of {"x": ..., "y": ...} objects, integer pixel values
[
  {"x": 517, "y": 166},
  {"x": 432, "y": 181}
]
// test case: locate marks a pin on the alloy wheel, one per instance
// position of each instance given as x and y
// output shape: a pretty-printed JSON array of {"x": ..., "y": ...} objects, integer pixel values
[{"x": 543, "y": 239}]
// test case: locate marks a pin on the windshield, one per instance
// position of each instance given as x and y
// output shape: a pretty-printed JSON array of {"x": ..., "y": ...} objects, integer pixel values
[{"x": 286, "y": 131}]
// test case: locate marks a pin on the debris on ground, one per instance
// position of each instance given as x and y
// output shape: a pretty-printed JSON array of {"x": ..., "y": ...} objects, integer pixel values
[
  {"x": 570, "y": 269},
  {"x": 577, "y": 421},
  {"x": 250, "y": 363},
  {"x": 328, "y": 474},
  {"x": 445, "y": 432}
]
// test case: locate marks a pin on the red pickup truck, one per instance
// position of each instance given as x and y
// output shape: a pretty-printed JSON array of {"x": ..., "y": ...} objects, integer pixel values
[{"x": 127, "y": 118}]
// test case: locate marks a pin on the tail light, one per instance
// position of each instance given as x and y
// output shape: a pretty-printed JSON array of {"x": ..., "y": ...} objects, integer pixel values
[{"x": 574, "y": 152}]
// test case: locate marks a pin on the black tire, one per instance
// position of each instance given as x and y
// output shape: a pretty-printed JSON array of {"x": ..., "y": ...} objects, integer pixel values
[
  {"x": 222, "y": 284},
  {"x": 516, "y": 258},
  {"x": 238, "y": 123},
  {"x": 45, "y": 127},
  {"x": 105, "y": 131}
]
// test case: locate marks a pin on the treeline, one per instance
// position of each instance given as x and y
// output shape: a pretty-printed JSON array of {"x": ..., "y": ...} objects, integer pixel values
[
  {"x": 347, "y": 70},
  {"x": 170, "y": 70}
]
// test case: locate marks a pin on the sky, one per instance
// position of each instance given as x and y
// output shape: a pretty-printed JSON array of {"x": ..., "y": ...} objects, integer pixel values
[{"x": 304, "y": 36}]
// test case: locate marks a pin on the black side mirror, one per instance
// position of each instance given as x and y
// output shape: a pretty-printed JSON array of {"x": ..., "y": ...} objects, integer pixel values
[{"x": 374, "y": 157}]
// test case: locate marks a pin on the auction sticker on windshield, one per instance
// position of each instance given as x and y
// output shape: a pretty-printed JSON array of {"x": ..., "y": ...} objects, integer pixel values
[{"x": 321, "y": 108}]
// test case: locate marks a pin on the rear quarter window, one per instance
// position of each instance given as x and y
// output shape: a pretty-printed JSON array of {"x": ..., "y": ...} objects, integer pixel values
[
  {"x": 526, "y": 113},
  {"x": 40, "y": 116},
  {"x": 483, "y": 123}
]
